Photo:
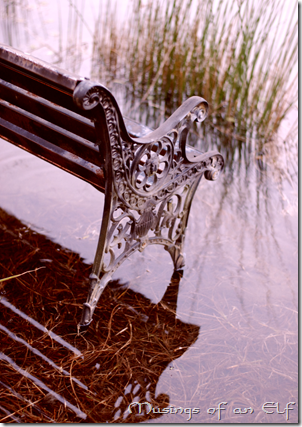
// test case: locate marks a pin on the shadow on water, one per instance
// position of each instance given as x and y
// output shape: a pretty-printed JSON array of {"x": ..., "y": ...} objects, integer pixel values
[{"x": 48, "y": 372}]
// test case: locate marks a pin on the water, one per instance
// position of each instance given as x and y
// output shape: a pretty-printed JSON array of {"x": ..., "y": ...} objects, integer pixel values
[{"x": 223, "y": 335}]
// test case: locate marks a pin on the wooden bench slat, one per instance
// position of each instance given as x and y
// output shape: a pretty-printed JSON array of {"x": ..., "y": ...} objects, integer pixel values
[
  {"x": 53, "y": 154},
  {"x": 41, "y": 70},
  {"x": 45, "y": 90},
  {"x": 50, "y": 132},
  {"x": 47, "y": 110}
]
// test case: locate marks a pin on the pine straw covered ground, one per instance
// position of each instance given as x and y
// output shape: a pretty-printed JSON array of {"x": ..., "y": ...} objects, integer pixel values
[{"x": 117, "y": 361}]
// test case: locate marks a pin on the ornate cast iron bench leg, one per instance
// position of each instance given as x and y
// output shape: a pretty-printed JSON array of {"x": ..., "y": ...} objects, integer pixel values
[{"x": 150, "y": 184}]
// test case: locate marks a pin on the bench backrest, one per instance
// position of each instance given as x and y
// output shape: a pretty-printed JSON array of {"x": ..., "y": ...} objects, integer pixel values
[{"x": 37, "y": 113}]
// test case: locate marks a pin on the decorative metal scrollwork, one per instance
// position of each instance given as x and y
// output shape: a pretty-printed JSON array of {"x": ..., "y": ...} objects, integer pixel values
[
  {"x": 147, "y": 220},
  {"x": 154, "y": 179},
  {"x": 151, "y": 165}
]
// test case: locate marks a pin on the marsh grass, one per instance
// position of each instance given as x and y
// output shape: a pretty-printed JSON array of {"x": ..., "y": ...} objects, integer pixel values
[
  {"x": 237, "y": 55},
  {"x": 241, "y": 56}
]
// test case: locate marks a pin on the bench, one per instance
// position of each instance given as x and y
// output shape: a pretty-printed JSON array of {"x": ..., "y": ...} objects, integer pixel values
[{"x": 148, "y": 177}]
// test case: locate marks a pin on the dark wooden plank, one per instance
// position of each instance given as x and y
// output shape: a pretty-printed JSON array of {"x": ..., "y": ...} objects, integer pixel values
[
  {"x": 47, "y": 110},
  {"x": 50, "y": 132},
  {"x": 39, "y": 69},
  {"x": 44, "y": 89},
  {"x": 51, "y": 153}
]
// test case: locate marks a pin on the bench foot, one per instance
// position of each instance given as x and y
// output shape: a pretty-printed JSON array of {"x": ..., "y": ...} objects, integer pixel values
[
  {"x": 177, "y": 255},
  {"x": 97, "y": 286}
]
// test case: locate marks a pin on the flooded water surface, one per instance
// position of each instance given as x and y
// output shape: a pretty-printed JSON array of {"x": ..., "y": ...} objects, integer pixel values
[{"x": 218, "y": 341}]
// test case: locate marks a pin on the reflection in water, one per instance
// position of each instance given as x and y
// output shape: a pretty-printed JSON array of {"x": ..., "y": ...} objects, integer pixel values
[
  {"x": 169, "y": 339},
  {"x": 37, "y": 325},
  {"x": 55, "y": 31},
  {"x": 10, "y": 416},
  {"x": 41, "y": 385},
  {"x": 119, "y": 360},
  {"x": 18, "y": 396},
  {"x": 38, "y": 353}
]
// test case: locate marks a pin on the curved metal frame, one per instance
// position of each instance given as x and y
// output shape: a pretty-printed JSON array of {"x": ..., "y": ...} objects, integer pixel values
[{"x": 150, "y": 184}]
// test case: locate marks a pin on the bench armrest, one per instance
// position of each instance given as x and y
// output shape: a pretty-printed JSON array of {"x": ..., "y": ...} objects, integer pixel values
[
  {"x": 194, "y": 109},
  {"x": 88, "y": 95},
  {"x": 157, "y": 155}
]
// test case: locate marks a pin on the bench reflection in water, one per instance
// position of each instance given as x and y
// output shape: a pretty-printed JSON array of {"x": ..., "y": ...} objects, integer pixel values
[{"x": 49, "y": 373}]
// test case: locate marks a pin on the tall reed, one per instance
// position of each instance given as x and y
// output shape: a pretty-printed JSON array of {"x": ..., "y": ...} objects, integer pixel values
[{"x": 237, "y": 55}]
